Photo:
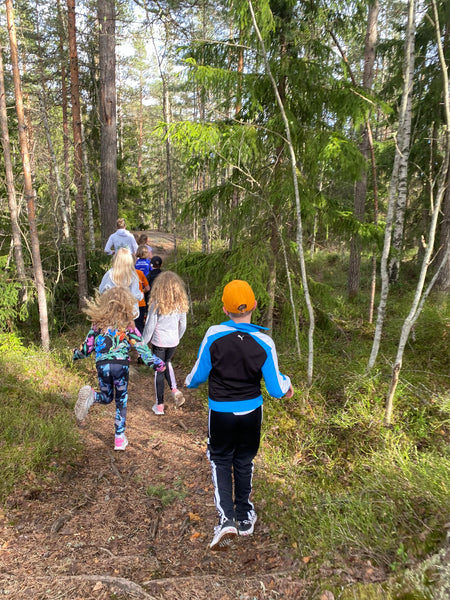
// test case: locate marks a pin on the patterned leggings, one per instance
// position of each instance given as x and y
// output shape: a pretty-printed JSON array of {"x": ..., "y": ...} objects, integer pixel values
[{"x": 114, "y": 377}]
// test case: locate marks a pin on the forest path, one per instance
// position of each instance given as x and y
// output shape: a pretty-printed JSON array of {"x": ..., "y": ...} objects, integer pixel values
[{"x": 137, "y": 524}]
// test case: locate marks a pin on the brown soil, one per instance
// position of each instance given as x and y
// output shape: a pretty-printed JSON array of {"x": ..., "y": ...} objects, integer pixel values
[{"x": 103, "y": 529}]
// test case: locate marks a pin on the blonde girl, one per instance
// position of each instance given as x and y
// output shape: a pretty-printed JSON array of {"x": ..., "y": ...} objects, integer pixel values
[
  {"x": 123, "y": 273},
  {"x": 164, "y": 328},
  {"x": 111, "y": 337}
]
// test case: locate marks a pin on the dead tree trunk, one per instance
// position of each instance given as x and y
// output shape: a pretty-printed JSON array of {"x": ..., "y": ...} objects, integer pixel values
[{"x": 65, "y": 120}]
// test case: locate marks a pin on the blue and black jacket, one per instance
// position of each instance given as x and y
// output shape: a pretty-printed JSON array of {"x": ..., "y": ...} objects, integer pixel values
[{"x": 234, "y": 357}]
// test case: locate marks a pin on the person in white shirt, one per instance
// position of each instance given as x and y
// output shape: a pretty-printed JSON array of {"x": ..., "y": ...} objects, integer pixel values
[
  {"x": 121, "y": 239},
  {"x": 164, "y": 328}
]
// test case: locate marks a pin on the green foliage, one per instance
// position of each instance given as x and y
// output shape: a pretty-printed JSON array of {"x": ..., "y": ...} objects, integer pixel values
[
  {"x": 37, "y": 433},
  {"x": 165, "y": 494},
  {"x": 11, "y": 307}
]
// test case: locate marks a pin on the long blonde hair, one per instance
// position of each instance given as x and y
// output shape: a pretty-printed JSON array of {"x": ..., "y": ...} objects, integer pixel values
[
  {"x": 113, "y": 309},
  {"x": 123, "y": 271},
  {"x": 168, "y": 294}
]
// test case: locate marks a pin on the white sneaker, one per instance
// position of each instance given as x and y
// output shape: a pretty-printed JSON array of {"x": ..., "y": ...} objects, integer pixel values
[
  {"x": 247, "y": 526},
  {"x": 86, "y": 397}
]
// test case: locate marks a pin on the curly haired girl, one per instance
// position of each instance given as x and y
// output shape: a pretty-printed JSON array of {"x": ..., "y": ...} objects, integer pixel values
[
  {"x": 164, "y": 328},
  {"x": 111, "y": 337}
]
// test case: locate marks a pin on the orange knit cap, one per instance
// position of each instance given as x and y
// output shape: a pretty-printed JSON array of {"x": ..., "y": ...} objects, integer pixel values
[{"x": 238, "y": 297}]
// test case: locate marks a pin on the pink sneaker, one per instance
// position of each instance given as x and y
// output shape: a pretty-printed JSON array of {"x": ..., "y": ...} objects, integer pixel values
[
  {"x": 158, "y": 409},
  {"x": 120, "y": 442}
]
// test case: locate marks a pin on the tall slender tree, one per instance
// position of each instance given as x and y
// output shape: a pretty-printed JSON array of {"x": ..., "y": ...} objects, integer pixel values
[
  {"x": 108, "y": 117},
  {"x": 11, "y": 190},
  {"x": 28, "y": 184},
  {"x": 78, "y": 152},
  {"x": 354, "y": 269}
]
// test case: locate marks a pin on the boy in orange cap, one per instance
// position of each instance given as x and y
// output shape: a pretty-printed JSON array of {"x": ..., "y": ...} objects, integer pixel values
[{"x": 234, "y": 356}]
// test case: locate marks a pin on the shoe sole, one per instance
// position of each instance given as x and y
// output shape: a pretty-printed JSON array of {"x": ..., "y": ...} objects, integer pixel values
[
  {"x": 81, "y": 406},
  {"x": 179, "y": 399},
  {"x": 224, "y": 541}
]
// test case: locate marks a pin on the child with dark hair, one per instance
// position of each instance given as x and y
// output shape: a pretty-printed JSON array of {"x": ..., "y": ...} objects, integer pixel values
[
  {"x": 156, "y": 262},
  {"x": 111, "y": 337}
]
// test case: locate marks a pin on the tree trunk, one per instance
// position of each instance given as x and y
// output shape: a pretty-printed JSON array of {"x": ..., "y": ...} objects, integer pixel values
[
  {"x": 65, "y": 120},
  {"x": 359, "y": 206},
  {"x": 108, "y": 117},
  {"x": 443, "y": 281},
  {"x": 403, "y": 123},
  {"x": 77, "y": 142},
  {"x": 87, "y": 186},
  {"x": 403, "y": 143},
  {"x": 28, "y": 185},
  {"x": 62, "y": 218},
  {"x": 9, "y": 176}
]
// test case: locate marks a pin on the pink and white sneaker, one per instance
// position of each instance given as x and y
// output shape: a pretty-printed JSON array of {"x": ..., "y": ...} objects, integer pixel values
[
  {"x": 158, "y": 409},
  {"x": 120, "y": 442}
]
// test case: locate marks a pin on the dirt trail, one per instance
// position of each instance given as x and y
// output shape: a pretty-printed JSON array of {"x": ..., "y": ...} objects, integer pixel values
[{"x": 136, "y": 524}]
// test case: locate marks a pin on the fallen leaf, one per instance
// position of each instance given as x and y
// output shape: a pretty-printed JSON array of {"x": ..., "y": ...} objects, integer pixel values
[
  {"x": 194, "y": 516},
  {"x": 195, "y": 535},
  {"x": 306, "y": 559},
  {"x": 98, "y": 586}
]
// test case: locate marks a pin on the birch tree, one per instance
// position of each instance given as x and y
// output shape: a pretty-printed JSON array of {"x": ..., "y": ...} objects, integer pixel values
[
  {"x": 28, "y": 184},
  {"x": 397, "y": 183},
  {"x": 421, "y": 294}
]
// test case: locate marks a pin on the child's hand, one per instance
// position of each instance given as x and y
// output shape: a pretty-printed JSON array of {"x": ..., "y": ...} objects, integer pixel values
[{"x": 290, "y": 392}]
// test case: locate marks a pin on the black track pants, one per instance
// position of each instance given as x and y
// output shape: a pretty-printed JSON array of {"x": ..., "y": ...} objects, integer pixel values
[{"x": 233, "y": 442}]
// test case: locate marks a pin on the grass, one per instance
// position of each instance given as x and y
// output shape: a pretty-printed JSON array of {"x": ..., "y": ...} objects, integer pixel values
[{"x": 37, "y": 434}]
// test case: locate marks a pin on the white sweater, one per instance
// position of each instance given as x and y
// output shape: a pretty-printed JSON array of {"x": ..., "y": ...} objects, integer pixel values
[{"x": 165, "y": 331}]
